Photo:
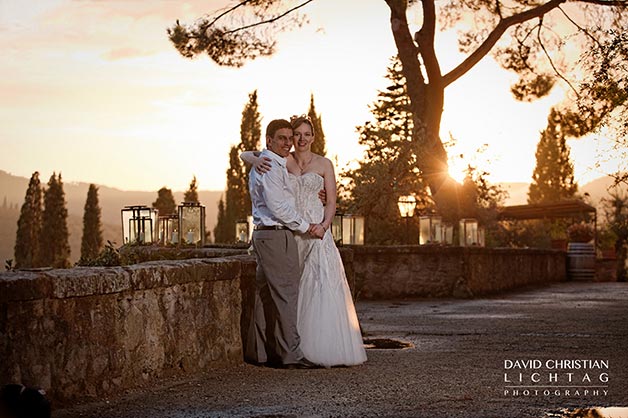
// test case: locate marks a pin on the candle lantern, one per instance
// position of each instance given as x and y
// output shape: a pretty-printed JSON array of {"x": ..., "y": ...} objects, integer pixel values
[
  {"x": 348, "y": 229},
  {"x": 447, "y": 233},
  {"x": 168, "y": 229},
  {"x": 192, "y": 223},
  {"x": 430, "y": 229},
  {"x": 242, "y": 231},
  {"x": 481, "y": 236},
  {"x": 138, "y": 224},
  {"x": 468, "y": 232}
]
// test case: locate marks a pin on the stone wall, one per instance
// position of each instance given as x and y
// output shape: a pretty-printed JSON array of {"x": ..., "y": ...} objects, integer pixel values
[
  {"x": 90, "y": 332},
  {"x": 87, "y": 332},
  {"x": 385, "y": 272}
]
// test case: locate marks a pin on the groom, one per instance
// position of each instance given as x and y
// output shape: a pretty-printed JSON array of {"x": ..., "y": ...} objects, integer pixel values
[{"x": 273, "y": 336}]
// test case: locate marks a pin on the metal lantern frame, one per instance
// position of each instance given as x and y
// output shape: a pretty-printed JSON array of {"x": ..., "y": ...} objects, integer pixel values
[
  {"x": 139, "y": 223},
  {"x": 430, "y": 229},
  {"x": 447, "y": 233},
  {"x": 348, "y": 229},
  {"x": 468, "y": 232},
  {"x": 191, "y": 223},
  {"x": 242, "y": 231},
  {"x": 169, "y": 229}
]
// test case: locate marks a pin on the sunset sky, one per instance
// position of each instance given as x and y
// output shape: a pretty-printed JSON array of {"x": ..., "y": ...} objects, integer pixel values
[{"x": 94, "y": 89}]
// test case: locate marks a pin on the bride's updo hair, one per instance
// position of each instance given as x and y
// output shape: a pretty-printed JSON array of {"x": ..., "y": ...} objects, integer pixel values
[{"x": 297, "y": 121}]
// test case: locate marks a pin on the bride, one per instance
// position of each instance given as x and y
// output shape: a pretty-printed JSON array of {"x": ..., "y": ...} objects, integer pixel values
[{"x": 326, "y": 322}]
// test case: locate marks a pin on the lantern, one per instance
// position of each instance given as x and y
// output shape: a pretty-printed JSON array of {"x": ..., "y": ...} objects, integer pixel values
[
  {"x": 481, "y": 236},
  {"x": 447, "y": 233},
  {"x": 468, "y": 232},
  {"x": 430, "y": 229},
  {"x": 192, "y": 223},
  {"x": 168, "y": 229},
  {"x": 242, "y": 231},
  {"x": 348, "y": 229},
  {"x": 138, "y": 224}
]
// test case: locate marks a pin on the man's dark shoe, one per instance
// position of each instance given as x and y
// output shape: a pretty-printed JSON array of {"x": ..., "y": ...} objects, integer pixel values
[{"x": 303, "y": 364}]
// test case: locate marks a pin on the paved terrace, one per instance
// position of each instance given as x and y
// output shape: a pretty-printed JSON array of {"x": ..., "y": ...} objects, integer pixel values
[{"x": 455, "y": 369}]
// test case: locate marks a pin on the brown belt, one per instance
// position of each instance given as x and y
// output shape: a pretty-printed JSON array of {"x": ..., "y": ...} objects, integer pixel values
[{"x": 269, "y": 228}]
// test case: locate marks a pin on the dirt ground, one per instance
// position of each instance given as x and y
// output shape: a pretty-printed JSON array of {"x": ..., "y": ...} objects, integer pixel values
[{"x": 465, "y": 356}]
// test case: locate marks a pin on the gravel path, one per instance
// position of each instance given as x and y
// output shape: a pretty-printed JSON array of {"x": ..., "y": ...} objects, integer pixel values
[{"x": 455, "y": 369}]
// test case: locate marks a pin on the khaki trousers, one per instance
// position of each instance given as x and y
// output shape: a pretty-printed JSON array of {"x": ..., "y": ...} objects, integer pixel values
[{"x": 273, "y": 335}]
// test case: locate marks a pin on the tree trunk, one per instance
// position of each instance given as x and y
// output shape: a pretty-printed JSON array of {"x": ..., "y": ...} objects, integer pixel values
[{"x": 426, "y": 103}]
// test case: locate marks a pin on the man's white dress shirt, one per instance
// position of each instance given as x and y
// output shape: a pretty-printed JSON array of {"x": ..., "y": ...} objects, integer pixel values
[{"x": 272, "y": 196}]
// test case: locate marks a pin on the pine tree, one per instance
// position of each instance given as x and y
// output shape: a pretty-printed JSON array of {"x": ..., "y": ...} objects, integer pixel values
[
  {"x": 28, "y": 237},
  {"x": 191, "y": 195},
  {"x": 237, "y": 204},
  {"x": 55, "y": 248},
  {"x": 389, "y": 169},
  {"x": 553, "y": 178},
  {"x": 165, "y": 203},
  {"x": 92, "y": 240},
  {"x": 318, "y": 147},
  {"x": 221, "y": 234}
]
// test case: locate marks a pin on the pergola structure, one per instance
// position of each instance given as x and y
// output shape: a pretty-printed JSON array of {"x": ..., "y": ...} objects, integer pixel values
[{"x": 575, "y": 208}]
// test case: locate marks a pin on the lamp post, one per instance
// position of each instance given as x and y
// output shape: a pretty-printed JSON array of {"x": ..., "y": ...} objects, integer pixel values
[
  {"x": 406, "y": 205},
  {"x": 191, "y": 223}
]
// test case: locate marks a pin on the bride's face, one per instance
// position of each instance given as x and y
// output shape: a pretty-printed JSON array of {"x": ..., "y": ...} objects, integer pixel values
[{"x": 303, "y": 137}]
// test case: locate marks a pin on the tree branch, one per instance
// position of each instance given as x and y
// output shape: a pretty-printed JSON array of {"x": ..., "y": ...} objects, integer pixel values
[
  {"x": 408, "y": 52},
  {"x": 226, "y": 12},
  {"x": 495, "y": 36},
  {"x": 547, "y": 55},
  {"x": 620, "y": 3},
  {"x": 580, "y": 28},
  {"x": 263, "y": 22}
]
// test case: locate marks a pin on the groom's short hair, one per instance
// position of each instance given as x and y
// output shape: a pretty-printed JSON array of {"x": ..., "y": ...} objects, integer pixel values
[{"x": 276, "y": 125}]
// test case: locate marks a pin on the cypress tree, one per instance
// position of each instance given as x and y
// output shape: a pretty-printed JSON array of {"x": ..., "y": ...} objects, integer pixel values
[
  {"x": 92, "y": 240},
  {"x": 165, "y": 203},
  {"x": 553, "y": 178},
  {"x": 55, "y": 248},
  {"x": 28, "y": 237},
  {"x": 237, "y": 199},
  {"x": 221, "y": 234},
  {"x": 237, "y": 204},
  {"x": 318, "y": 147},
  {"x": 191, "y": 195}
]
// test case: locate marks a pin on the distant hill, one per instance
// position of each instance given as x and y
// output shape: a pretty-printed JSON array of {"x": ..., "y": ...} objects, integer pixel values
[
  {"x": 13, "y": 190},
  {"x": 596, "y": 189}
]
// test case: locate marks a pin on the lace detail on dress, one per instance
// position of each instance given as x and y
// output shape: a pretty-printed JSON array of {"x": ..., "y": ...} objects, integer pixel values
[
  {"x": 327, "y": 322},
  {"x": 306, "y": 188}
]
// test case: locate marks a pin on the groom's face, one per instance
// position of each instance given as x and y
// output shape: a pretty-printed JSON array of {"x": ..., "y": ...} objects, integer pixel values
[{"x": 281, "y": 142}]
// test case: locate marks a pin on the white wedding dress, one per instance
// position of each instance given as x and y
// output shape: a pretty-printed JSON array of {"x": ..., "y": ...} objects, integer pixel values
[{"x": 326, "y": 321}]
